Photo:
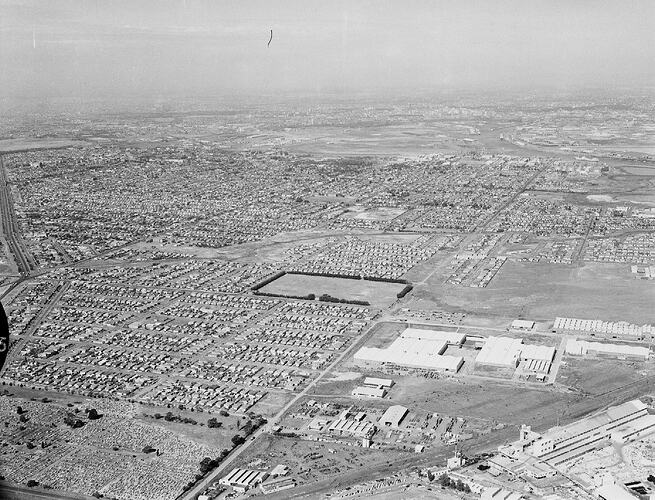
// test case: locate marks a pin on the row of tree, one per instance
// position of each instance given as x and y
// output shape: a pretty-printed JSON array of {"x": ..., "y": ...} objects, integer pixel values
[
  {"x": 268, "y": 280},
  {"x": 207, "y": 464},
  {"x": 328, "y": 298}
]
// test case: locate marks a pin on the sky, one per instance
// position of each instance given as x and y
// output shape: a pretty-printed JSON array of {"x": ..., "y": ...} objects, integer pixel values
[{"x": 202, "y": 47}]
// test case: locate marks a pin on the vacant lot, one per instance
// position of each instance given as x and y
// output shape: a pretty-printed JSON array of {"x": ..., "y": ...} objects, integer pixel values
[
  {"x": 375, "y": 292},
  {"x": 542, "y": 291},
  {"x": 596, "y": 376}
]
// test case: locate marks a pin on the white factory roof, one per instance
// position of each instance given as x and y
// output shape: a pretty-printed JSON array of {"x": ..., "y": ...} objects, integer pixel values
[
  {"x": 539, "y": 352},
  {"x": 243, "y": 477},
  {"x": 449, "y": 337},
  {"x": 394, "y": 415},
  {"x": 370, "y": 392},
  {"x": 613, "y": 492},
  {"x": 609, "y": 416},
  {"x": 351, "y": 426},
  {"x": 413, "y": 351},
  {"x": 503, "y": 351},
  {"x": 381, "y": 382},
  {"x": 523, "y": 324},
  {"x": 581, "y": 347}
]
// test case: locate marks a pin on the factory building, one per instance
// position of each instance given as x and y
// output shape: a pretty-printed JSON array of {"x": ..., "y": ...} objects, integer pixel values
[
  {"x": 352, "y": 425},
  {"x": 583, "y": 348},
  {"x": 500, "y": 351},
  {"x": 522, "y": 325},
  {"x": 393, "y": 416},
  {"x": 621, "y": 423},
  {"x": 603, "y": 328},
  {"x": 242, "y": 480},
  {"x": 369, "y": 392},
  {"x": 508, "y": 352},
  {"x": 378, "y": 382},
  {"x": 417, "y": 349},
  {"x": 537, "y": 358}
]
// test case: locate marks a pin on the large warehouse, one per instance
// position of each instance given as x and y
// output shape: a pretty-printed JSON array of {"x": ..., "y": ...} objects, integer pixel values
[
  {"x": 607, "y": 328},
  {"x": 583, "y": 348},
  {"x": 507, "y": 352},
  {"x": 621, "y": 423},
  {"x": 500, "y": 351},
  {"x": 415, "y": 348}
]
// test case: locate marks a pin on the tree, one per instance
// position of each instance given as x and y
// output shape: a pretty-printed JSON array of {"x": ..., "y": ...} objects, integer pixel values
[
  {"x": 223, "y": 413},
  {"x": 19, "y": 410},
  {"x": 237, "y": 440},
  {"x": 212, "y": 423},
  {"x": 430, "y": 476},
  {"x": 93, "y": 414},
  {"x": 32, "y": 483},
  {"x": 444, "y": 480}
]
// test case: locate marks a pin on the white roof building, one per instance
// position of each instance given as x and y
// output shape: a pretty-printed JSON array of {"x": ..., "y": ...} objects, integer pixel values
[
  {"x": 500, "y": 351},
  {"x": 243, "y": 479},
  {"x": 522, "y": 324},
  {"x": 369, "y": 392},
  {"x": 537, "y": 352},
  {"x": 378, "y": 382},
  {"x": 582, "y": 348},
  {"x": 422, "y": 349},
  {"x": 393, "y": 416}
]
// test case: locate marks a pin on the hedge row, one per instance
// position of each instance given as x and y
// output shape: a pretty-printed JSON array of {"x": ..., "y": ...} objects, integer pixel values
[{"x": 262, "y": 284}]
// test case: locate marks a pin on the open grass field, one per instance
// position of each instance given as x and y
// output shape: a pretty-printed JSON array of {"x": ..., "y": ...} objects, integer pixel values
[
  {"x": 543, "y": 291},
  {"x": 375, "y": 292}
]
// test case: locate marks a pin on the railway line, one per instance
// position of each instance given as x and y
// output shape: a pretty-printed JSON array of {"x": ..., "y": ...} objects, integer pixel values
[{"x": 10, "y": 230}]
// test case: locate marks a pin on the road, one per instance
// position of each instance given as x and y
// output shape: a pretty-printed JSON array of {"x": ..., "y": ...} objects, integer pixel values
[{"x": 190, "y": 495}]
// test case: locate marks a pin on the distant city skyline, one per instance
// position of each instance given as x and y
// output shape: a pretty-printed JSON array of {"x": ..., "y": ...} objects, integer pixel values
[{"x": 98, "y": 48}]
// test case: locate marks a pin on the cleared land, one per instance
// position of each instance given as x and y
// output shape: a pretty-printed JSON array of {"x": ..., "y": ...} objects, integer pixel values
[{"x": 377, "y": 293}]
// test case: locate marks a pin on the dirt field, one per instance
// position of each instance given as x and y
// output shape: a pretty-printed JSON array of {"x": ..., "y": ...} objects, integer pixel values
[
  {"x": 597, "y": 375},
  {"x": 309, "y": 460},
  {"x": 375, "y": 292}
]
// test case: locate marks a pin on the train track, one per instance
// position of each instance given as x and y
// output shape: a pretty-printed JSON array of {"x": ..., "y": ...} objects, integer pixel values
[{"x": 23, "y": 259}]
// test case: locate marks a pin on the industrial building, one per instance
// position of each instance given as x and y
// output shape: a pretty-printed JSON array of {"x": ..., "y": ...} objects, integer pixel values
[
  {"x": 277, "y": 484},
  {"x": 583, "y": 348},
  {"x": 508, "y": 352},
  {"x": 393, "y": 416},
  {"x": 621, "y": 423},
  {"x": 352, "y": 425},
  {"x": 415, "y": 348},
  {"x": 537, "y": 358},
  {"x": 522, "y": 324},
  {"x": 378, "y": 382},
  {"x": 500, "y": 351},
  {"x": 242, "y": 480},
  {"x": 604, "y": 328},
  {"x": 369, "y": 392},
  {"x": 612, "y": 491}
]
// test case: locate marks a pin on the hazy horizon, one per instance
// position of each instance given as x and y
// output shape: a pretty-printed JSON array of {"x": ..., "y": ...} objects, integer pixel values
[{"x": 105, "y": 48}]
